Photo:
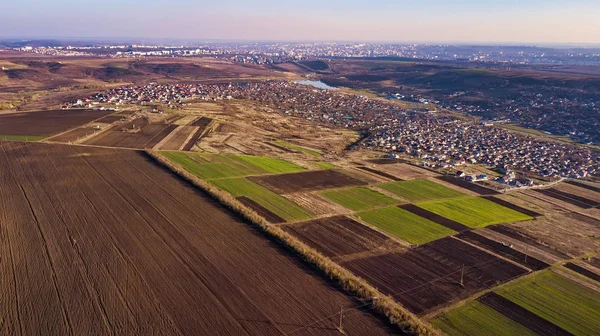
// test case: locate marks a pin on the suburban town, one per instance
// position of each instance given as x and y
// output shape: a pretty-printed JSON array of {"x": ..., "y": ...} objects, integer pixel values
[{"x": 438, "y": 140}]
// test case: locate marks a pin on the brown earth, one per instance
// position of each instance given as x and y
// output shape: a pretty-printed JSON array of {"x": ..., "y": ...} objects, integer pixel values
[
  {"x": 46, "y": 123},
  {"x": 585, "y": 185},
  {"x": 577, "y": 190},
  {"x": 74, "y": 134},
  {"x": 316, "y": 204},
  {"x": 102, "y": 241},
  {"x": 503, "y": 250},
  {"x": 583, "y": 271},
  {"x": 406, "y": 171},
  {"x": 427, "y": 278},
  {"x": 337, "y": 236},
  {"x": 380, "y": 173},
  {"x": 306, "y": 181},
  {"x": 139, "y": 133},
  {"x": 467, "y": 185},
  {"x": 577, "y": 201},
  {"x": 179, "y": 138},
  {"x": 521, "y": 315}
]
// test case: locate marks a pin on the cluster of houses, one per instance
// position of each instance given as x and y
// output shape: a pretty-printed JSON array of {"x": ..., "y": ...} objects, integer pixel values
[{"x": 438, "y": 140}]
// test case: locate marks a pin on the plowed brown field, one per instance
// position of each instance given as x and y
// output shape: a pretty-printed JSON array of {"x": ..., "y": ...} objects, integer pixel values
[
  {"x": 428, "y": 277},
  {"x": 145, "y": 135},
  {"x": 46, "y": 123},
  {"x": 307, "y": 181},
  {"x": 98, "y": 241}
]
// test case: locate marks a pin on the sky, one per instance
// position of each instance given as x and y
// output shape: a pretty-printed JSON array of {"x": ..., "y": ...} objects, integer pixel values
[{"x": 460, "y": 21}]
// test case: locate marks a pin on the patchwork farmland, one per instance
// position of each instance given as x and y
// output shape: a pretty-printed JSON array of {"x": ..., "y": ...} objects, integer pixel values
[
  {"x": 103, "y": 241},
  {"x": 420, "y": 190},
  {"x": 544, "y": 304}
]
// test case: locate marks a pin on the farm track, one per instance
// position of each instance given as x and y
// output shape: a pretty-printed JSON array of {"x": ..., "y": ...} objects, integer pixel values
[{"x": 121, "y": 246}]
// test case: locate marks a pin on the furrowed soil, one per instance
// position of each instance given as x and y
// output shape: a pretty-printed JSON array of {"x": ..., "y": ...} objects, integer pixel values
[
  {"x": 427, "y": 278},
  {"x": 583, "y": 271},
  {"x": 467, "y": 185},
  {"x": 179, "y": 138},
  {"x": 337, "y": 236},
  {"x": 504, "y": 250},
  {"x": 307, "y": 181},
  {"x": 102, "y": 241},
  {"x": 144, "y": 135},
  {"x": 46, "y": 123}
]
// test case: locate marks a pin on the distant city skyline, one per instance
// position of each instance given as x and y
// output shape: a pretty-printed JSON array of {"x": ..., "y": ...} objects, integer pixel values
[{"x": 550, "y": 22}]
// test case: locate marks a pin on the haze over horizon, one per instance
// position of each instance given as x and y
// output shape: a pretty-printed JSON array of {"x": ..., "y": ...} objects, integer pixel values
[{"x": 464, "y": 21}]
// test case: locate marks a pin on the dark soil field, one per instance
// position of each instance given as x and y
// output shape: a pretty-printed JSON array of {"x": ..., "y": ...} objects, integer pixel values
[
  {"x": 145, "y": 135},
  {"x": 380, "y": 173},
  {"x": 503, "y": 250},
  {"x": 467, "y": 185},
  {"x": 265, "y": 213},
  {"x": 583, "y": 271},
  {"x": 337, "y": 236},
  {"x": 586, "y": 186},
  {"x": 110, "y": 119},
  {"x": 510, "y": 232},
  {"x": 102, "y": 241},
  {"x": 307, "y": 181},
  {"x": 427, "y": 278},
  {"x": 456, "y": 226},
  {"x": 386, "y": 161},
  {"x": 201, "y": 122},
  {"x": 513, "y": 206},
  {"x": 521, "y": 315},
  {"x": 578, "y": 201},
  {"x": 46, "y": 123},
  {"x": 73, "y": 134},
  {"x": 188, "y": 146}
]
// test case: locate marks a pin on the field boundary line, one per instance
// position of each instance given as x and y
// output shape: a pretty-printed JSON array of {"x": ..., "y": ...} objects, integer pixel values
[{"x": 384, "y": 305}]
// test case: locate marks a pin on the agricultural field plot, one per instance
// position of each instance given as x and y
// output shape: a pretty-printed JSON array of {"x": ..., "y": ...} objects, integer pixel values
[
  {"x": 435, "y": 218},
  {"x": 45, "y": 123},
  {"x": 474, "y": 187},
  {"x": 298, "y": 148},
  {"x": 338, "y": 236},
  {"x": 421, "y": 190},
  {"x": 215, "y": 166},
  {"x": 317, "y": 204},
  {"x": 324, "y": 165},
  {"x": 587, "y": 186},
  {"x": 513, "y": 206},
  {"x": 178, "y": 138},
  {"x": 358, "y": 198},
  {"x": 566, "y": 303},
  {"x": 201, "y": 125},
  {"x": 74, "y": 134},
  {"x": 475, "y": 318},
  {"x": 406, "y": 171},
  {"x": 583, "y": 271},
  {"x": 139, "y": 133},
  {"x": 504, "y": 250},
  {"x": 427, "y": 277},
  {"x": 278, "y": 205},
  {"x": 578, "y": 201},
  {"x": 405, "y": 225},
  {"x": 474, "y": 212},
  {"x": 102, "y": 241},
  {"x": 307, "y": 181},
  {"x": 587, "y": 192},
  {"x": 386, "y": 176}
]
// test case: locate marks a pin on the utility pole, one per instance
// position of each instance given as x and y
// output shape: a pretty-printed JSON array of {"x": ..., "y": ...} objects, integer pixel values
[{"x": 340, "y": 327}]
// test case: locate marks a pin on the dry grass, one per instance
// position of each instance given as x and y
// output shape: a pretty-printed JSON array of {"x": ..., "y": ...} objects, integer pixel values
[{"x": 382, "y": 304}]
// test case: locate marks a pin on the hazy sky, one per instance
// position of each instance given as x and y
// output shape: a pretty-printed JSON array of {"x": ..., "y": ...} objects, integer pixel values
[{"x": 487, "y": 21}]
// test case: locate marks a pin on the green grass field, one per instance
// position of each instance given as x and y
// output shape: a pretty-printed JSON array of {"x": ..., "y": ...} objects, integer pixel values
[
  {"x": 420, "y": 190},
  {"x": 359, "y": 198},
  {"x": 474, "y": 212},
  {"x": 22, "y": 137},
  {"x": 325, "y": 165},
  {"x": 566, "y": 303},
  {"x": 213, "y": 166},
  {"x": 476, "y": 318},
  {"x": 298, "y": 148},
  {"x": 278, "y": 205},
  {"x": 405, "y": 225}
]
